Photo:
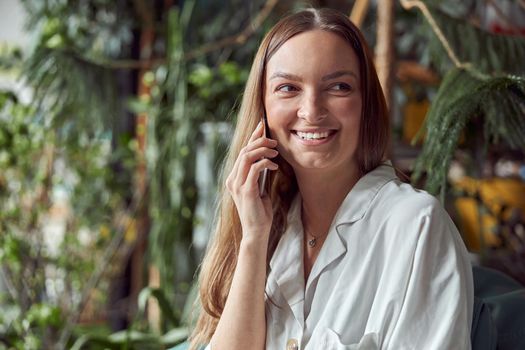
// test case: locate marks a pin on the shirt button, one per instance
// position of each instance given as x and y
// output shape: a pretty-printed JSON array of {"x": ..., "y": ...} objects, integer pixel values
[{"x": 292, "y": 344}]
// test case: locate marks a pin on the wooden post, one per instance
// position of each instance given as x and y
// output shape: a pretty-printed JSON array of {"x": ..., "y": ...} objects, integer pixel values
[
  {"x": 384, "y": 50},
  {"x": 138, "y": 269},
  {"x": 359, "y": 10}
]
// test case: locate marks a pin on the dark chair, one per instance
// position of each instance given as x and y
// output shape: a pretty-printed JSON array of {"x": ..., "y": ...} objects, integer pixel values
[{"x": 499, "y": 311}]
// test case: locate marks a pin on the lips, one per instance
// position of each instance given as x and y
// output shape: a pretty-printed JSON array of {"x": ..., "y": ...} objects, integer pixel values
[{"x": 313, "y": 137}]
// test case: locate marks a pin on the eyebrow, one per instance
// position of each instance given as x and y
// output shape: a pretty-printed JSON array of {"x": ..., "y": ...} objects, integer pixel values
[
  {"x": 330, "y": 76},
  {"x": 338, "y": 74}
]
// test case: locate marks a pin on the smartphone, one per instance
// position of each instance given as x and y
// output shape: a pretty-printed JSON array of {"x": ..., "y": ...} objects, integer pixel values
[{"x": 264, "y": 175}]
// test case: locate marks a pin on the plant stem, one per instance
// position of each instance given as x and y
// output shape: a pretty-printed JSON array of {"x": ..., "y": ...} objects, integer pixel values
[{"x": 408, "y": 4}]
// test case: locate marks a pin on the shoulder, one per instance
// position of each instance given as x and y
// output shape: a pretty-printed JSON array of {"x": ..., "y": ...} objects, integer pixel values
[
  {"x": 413, "y": 223},
  {"x": 403, "y": 214},
  {"x": 403, "y": 201}
]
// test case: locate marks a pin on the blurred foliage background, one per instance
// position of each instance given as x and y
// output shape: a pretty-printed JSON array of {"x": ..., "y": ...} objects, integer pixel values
[{"x": 112, "y": 139}]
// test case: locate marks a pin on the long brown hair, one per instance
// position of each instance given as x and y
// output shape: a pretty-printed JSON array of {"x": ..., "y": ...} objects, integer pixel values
[{"x": 221, "y": 258}]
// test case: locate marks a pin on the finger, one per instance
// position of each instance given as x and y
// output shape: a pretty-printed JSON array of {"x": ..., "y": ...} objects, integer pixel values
[
  {"x": 249, "y": 158},
  {"x": 260, "y": 142},
  {"x": 258, "y": 132},
  {"x": 254, "y": 136},
  {"x": 252, "y": 185},
  {"x": 233, "y": 173}
]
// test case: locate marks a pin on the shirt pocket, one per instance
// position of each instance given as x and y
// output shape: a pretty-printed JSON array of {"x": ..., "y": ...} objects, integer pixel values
[{"x": 330, "y": 340}]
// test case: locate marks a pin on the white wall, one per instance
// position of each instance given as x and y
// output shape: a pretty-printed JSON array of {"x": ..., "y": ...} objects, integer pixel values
[{"x": 12, "y": 18}]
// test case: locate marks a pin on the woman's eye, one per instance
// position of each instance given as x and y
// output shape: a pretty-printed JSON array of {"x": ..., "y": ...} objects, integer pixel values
[
  {"x": 341, "y": 87},
  {"x": 286, "y": 88}
]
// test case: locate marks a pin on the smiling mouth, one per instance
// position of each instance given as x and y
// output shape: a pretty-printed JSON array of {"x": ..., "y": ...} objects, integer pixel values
[{"x": 314, "y": 135}]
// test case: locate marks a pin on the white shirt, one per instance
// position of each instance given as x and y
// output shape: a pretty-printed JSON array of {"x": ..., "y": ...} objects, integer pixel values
[{"x": 393, "y": 273}]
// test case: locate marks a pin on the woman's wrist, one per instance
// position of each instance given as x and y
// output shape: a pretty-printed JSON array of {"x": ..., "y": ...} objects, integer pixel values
[{"x": 254, "y": 241}]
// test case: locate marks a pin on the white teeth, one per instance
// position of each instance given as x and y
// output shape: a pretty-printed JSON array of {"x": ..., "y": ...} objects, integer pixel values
[{"x": 313, "y": 135}]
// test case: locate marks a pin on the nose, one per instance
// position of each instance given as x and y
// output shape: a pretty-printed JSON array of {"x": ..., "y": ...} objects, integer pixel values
[{"x": 312, "y": 109}]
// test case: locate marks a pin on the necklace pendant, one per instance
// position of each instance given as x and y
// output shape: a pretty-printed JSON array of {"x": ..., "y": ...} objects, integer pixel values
[{"x": 312, "y": 242}]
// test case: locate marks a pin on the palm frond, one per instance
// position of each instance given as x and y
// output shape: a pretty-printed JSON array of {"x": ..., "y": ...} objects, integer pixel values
[
  {"x": 80, "y": 95},
  {"x": 464, "y": 95},
  {"x": 490, "y": 53}
]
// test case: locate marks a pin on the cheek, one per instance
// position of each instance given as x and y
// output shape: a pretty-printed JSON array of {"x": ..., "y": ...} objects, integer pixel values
[
  {"x": 279, "y": 115},
  {"x": 347, "y": 107}
]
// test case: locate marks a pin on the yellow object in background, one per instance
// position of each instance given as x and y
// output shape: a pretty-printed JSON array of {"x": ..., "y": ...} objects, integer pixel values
[
  {"x": 495, "y": 193},
  {"x": 414, "y": 116}
]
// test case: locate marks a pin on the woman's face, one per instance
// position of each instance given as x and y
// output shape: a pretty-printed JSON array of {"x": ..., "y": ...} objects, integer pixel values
[{"x": 313, "y": 101}]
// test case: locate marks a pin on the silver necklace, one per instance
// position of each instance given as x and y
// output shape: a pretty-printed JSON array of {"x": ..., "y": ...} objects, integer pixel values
[{"x": 312, "y": 242}]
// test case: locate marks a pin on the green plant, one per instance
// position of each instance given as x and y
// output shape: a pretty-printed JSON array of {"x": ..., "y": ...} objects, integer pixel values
[
  {"x": 467, "y": 96},
  {"x": 184, "y": 94},
  {"x": 480, "y": 101},
  {"x": 482, "y": 87},
  {"x": 74, "y": 130},
  {"x": 140, "y": 339},
  {"x": 50, "y": 280},
  {"x": 58, "y": 154}
]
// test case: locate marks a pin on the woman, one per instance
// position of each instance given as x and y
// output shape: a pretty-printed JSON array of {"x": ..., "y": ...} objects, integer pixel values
[{"x": 340, "y": 254}]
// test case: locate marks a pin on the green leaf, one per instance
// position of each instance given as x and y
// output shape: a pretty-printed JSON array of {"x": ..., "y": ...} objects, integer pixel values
[
  {"x": 464, "y": 95},
  {"x": 175, "y": 336},
  {"x": 157, "y": 293},
  {"x": 94, "y": 340},
  {"x": 44, "y": 315},
  {"x": 201, "y": 76},
  {"x": 126, "y": 336},
  {"x": 138, "y": 106},
  {"x": 490, "y": 53}
]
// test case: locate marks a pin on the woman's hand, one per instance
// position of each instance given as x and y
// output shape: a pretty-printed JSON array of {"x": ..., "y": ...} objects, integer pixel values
[
  {"x": 242, "y": 324},
  {"x": 255, "y": 212}
]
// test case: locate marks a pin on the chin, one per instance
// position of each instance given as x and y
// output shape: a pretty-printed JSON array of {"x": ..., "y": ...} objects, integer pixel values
[
  {"x": 314, "y": 162},
  {"x": 309, "y": 164}
]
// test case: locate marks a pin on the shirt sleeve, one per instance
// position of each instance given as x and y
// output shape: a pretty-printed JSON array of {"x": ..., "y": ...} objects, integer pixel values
[{"x": 436, "y": 311}]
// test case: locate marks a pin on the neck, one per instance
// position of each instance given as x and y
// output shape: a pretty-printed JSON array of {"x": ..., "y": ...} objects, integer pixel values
[{"x": 322, "y": 193}]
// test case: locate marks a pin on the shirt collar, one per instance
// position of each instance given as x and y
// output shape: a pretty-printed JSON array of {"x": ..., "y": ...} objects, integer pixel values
[
  {"x": 286, "y": 265},
  {"x": 354, "y": 206},
  {"x": 359, "y": 199}
]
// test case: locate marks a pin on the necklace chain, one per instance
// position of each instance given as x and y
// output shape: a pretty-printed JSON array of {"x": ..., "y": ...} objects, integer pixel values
[{"x": 312, "y": 242}]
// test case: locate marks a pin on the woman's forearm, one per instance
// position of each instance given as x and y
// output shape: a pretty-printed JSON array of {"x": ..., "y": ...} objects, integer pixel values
[{"x": 243, "y": 324}]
